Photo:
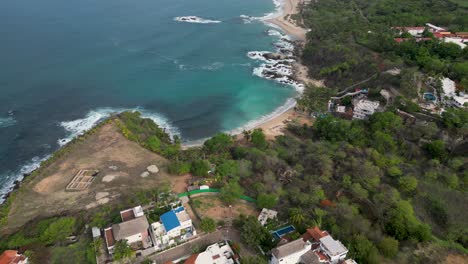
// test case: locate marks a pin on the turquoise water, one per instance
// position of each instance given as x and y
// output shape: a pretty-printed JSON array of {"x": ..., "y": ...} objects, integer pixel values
[{"x": 68, "y": 64}]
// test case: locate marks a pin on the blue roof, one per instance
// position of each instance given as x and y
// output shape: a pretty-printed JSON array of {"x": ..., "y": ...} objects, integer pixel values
[{"x": 169, "y": 220}]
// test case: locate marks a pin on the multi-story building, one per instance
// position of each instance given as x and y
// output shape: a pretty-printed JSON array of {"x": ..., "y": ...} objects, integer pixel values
[{"x": 174, "y": 226}]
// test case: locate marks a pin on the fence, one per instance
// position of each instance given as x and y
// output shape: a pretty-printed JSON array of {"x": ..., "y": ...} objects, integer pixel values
[{"x": 194, "y": 192}]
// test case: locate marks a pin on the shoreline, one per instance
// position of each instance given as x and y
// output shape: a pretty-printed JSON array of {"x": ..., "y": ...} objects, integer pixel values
[
  {"x": 274, "y": 126},
  {"x": 289, "y": 7},
  {"x": 271, "y": 126}
]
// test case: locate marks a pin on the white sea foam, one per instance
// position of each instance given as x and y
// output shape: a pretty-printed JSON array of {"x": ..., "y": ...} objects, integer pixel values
[
  {"x": 7, "y": 121},
  {"x": 213, "y": 66},
  {"x": 195, "y": 19},
  {"x": 77, "y": 127},
  {"x": 290, "y": 103},
  {"x": 11, "y": 177},
  {"x": 278, "y": 12}
]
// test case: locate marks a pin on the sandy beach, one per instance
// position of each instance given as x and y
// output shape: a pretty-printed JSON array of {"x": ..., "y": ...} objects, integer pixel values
[
  {"x": 275, "y": 126},
  {"x": 289, "y": 8}
]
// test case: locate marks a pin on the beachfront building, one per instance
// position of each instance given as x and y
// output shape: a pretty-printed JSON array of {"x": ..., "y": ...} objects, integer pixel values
[
  {"x": 13, "y": 257},
  {"x": 291, "y": 252},
  {"x": 174, "y": 226},
  {"x": 364, "y": 108},
  {"x": 266, "y": 214},
  {"x": 219, "y": 253},
  {"x": 133, "y": 229},
  {"x": 451, "y": 97}
]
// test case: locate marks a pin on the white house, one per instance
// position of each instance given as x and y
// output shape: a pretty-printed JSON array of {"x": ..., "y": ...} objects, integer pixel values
[
  {"x": 450, "y": 96},
  {"x": 364, "y": 108},
  {"x": 219, "y": 253},
  {"x": 266, "y": 214},
  {"x": 291, "y": 252},
  {"x": 173, "y": 225},
  {"x": 414, "y": 31},
  {"x": 333, "y": 249}
]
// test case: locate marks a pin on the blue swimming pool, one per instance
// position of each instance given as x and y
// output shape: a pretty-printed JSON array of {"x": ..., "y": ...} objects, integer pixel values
[{"x": 283, "y": 231}]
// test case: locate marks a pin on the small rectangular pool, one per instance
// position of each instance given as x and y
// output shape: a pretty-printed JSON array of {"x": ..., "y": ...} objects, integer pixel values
[{"x": 283, "y": 231}]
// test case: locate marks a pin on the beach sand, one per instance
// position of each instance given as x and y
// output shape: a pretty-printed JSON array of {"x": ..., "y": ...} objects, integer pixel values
[
  {"x": 276, "y": 126},
  {"x": 289, "y": 8}
]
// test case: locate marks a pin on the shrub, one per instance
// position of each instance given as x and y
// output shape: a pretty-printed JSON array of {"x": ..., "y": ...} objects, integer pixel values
[
  {"x": 388, "y": 246},
  {"x": 208, "y": 225},
  {"x": 58, "y": 230}
]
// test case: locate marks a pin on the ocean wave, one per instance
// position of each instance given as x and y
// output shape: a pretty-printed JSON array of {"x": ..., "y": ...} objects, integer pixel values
[
  {"x": 77, "y": 127},
  {"x": 9, "y": 179},
  {"x": 7, "y": 121},
  {"x": 276, "y": 13},
  {"x": 213, "y": 66},
  {"x": 195, "y": 19},
  {"x": 280, "y": 73},
  {"x": 290, "y": 103}
]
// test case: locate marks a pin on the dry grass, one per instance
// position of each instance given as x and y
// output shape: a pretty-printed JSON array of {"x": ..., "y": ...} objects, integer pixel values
[
  {"x": 121, "y": 160},
  {"x": 210, "y": 206}
]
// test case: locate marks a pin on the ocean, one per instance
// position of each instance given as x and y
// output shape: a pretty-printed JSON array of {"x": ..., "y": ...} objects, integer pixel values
[{"x": 66, "y": 65}]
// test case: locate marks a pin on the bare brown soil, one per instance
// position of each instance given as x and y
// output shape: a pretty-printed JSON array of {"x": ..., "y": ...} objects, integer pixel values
[
  {"x": 119, "y": 161},
  {"x": 210, "y": 206},
  {"x": 456, "y": 259}
]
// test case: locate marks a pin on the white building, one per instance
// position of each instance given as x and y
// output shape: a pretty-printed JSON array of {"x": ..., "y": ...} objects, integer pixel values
[
  {"x": 333, "y": 249},
  {"x": 266, "y": 214},
  {"x": 414, "y": 31},
  {"x": 434, "y": 28},
  {"x": 219, "y": 253},
  {"x": 291, "y": 252},
  {"x": 459, "y": 41},
  {"x": 173, "y": 226},
  {"x": 450, "y": 96},
  {"x": 364, "y": 108}
]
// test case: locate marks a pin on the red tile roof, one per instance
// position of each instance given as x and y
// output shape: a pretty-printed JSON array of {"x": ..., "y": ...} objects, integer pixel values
[
  {"x": 127, "y": 215},
  {"x": 110, "y": 241},
  {"x": 191, "y": 259},
  {"x": 316, "y": 233},
  {"x": 11, "y": 257}
]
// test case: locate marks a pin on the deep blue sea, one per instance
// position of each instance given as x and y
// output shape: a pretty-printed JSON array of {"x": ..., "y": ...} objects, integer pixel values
[{"x": 65, "y": 65}]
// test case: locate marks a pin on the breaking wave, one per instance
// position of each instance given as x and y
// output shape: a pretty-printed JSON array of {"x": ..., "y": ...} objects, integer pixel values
[
  {"x": 195, "y": 19},
  {"x": 7, "y": 121},
  {"x": 77, "y": 127},
  {"x": 10, "y": 177}
]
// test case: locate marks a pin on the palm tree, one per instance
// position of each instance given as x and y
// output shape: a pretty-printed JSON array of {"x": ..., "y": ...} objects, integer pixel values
[{"x": 296, "y": 215}]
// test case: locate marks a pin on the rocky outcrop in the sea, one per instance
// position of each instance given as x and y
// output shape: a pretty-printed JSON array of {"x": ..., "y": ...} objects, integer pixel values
[{"x": 277, "y": 65}]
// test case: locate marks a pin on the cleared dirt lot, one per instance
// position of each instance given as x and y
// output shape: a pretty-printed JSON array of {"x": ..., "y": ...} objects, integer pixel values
[
  {"x": 120, "y": 163},
  {"x": 210, "y": 206}
]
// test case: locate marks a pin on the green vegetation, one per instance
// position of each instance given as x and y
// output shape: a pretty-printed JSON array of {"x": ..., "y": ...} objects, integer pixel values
[
  {"x": 208, "y": 225},
  {"x": 148, "y": 134},
  {"x": 122, "y": 250},
  {"x": 351, "y": 41}
]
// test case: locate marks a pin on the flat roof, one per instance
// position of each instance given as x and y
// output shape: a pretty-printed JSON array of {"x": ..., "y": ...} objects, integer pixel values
[
  {"x": 334, "y": 247},
  {"x": 169, "y": 220},
  {"x": 129, "y": 228},
  {"x": 289, "y": 248}
]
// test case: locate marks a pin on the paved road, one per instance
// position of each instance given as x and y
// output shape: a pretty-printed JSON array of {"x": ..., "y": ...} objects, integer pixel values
[{"x": 200, "y": 243}]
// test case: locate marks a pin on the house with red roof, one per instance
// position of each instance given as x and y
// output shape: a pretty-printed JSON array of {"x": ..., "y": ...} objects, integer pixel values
[{"x": 12, "y": 257}]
